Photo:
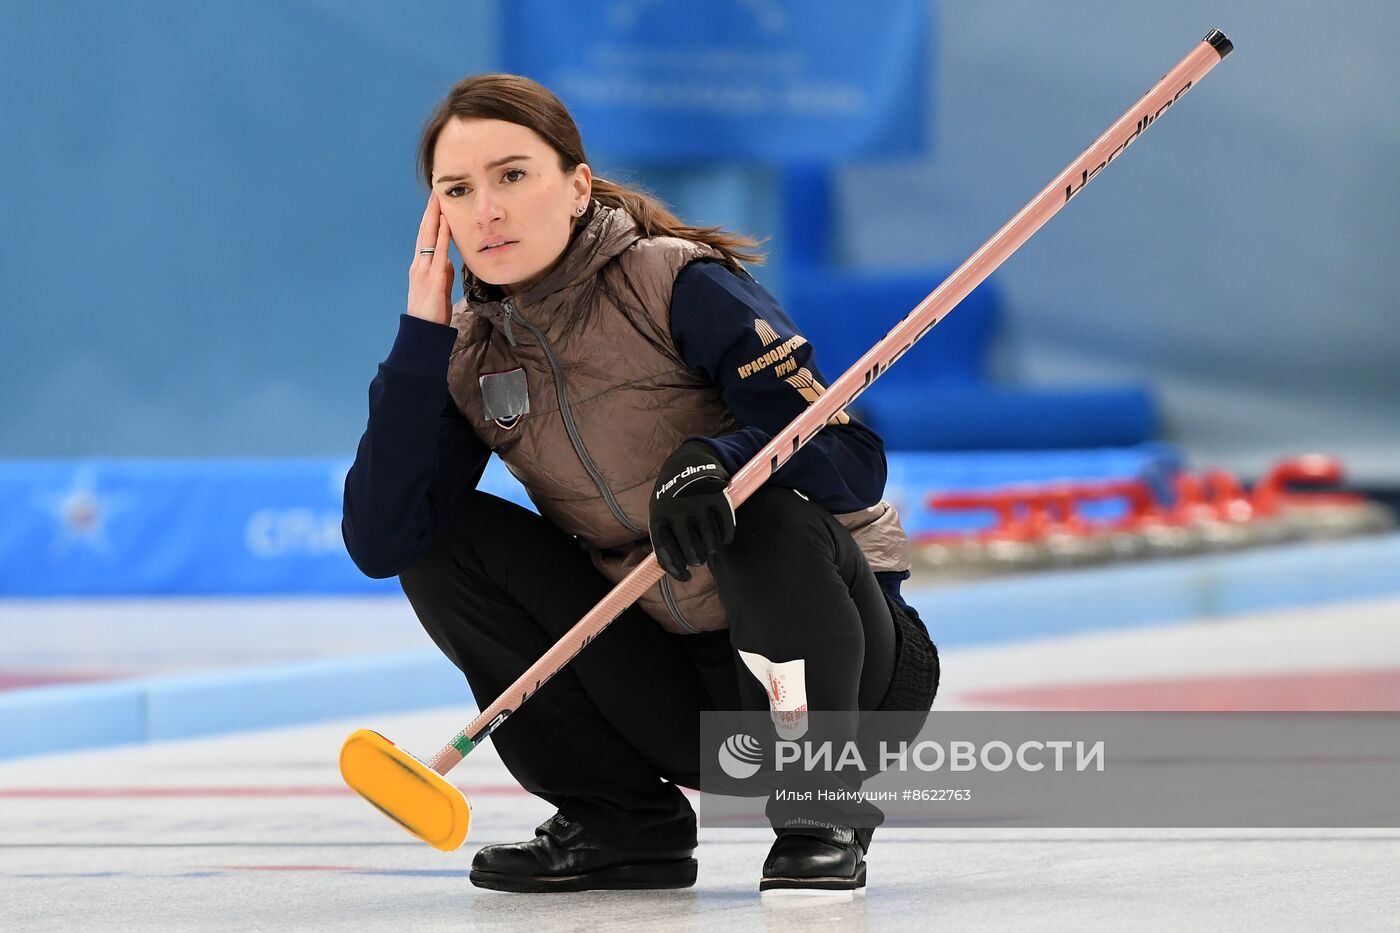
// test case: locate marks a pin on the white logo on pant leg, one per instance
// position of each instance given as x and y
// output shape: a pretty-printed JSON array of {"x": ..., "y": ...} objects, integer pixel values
[{"x": 786, "y": 685}]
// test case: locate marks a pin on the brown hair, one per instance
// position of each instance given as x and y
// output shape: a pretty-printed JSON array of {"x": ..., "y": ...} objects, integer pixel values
[{"x": 519, "y": 100}]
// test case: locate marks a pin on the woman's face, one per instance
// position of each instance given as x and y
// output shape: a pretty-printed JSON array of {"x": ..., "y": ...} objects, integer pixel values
[{"x": 500, "y": 182}]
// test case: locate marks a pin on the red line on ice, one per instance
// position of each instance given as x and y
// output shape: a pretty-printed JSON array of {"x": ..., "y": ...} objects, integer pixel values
[
  {"x": 331, "y": 790},
  {"x": 285, "y": 867},
  {"x": 19, "y": 680},
  {"x": 1313, "y": 691}
]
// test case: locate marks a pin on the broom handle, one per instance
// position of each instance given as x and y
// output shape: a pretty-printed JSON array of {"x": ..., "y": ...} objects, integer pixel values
[{"x": 918, "y": 322}]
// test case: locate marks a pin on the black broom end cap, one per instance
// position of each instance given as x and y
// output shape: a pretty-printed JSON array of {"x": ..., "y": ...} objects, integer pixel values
[{"x": 1217, "y": 41}]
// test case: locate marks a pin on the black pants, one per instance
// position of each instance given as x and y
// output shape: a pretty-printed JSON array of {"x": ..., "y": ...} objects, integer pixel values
[{"x": 597, "y": 740}]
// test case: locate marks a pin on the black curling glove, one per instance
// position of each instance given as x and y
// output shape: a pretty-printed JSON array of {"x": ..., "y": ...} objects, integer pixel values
[{"x": 690, "y": 514}]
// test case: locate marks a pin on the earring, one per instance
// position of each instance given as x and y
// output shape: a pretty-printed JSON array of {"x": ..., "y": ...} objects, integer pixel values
[{"x": 581, "y": 209}]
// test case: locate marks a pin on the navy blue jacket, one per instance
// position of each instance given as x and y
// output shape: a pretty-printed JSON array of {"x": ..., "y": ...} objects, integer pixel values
[{"x": 418, "y": 455}]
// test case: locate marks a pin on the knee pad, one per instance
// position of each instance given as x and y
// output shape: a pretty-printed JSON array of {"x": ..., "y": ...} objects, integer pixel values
[{"x": 916, "y": 668}]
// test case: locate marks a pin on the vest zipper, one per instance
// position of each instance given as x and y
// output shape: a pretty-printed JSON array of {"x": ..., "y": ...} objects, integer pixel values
[
  {"x": 569, "y": 426},
  {"x": 560, "y": 389},
  {"x": 674, "y": 607}
]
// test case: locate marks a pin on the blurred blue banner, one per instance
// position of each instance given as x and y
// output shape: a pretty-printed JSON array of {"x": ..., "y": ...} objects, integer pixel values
[
  {"x": 168, "y": 527},
  {"x": 780, "y": 80},
  {"x": 122, "y": 527},
  {"x": 246, "y": 527}
]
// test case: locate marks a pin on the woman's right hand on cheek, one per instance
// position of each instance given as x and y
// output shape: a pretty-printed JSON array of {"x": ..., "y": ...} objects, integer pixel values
[{"x": 430, "y": 274}]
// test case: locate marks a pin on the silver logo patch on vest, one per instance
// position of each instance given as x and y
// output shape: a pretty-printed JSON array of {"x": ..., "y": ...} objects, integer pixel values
[{"x": 505, "y": 397}]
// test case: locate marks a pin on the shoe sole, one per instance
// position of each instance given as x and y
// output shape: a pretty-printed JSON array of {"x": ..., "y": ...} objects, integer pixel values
[
  {"x": 634, "y": 876},
  {"x": 829, "y": 886}
]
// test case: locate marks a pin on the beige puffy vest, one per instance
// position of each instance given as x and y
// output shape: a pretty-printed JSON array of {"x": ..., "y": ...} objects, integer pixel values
[{"x": 609, "y": 398}]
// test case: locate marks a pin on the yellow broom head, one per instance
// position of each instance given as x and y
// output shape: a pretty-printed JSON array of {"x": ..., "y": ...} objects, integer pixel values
[{"x": 405, "y": 789}]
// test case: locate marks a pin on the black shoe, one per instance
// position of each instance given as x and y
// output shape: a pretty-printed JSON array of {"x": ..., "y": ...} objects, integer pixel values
[
  {"x": 562, "y": 857},
  {"x": 816, "y": 859}
]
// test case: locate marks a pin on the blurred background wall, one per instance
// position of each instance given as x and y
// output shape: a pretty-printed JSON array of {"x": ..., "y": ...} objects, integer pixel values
[{"x": 209, "y": 211}]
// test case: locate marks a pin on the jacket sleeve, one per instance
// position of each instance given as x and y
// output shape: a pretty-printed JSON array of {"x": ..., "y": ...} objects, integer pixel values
[
  {"x": 416, "y": 459},
  {"x": 728, "y": 326}
]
